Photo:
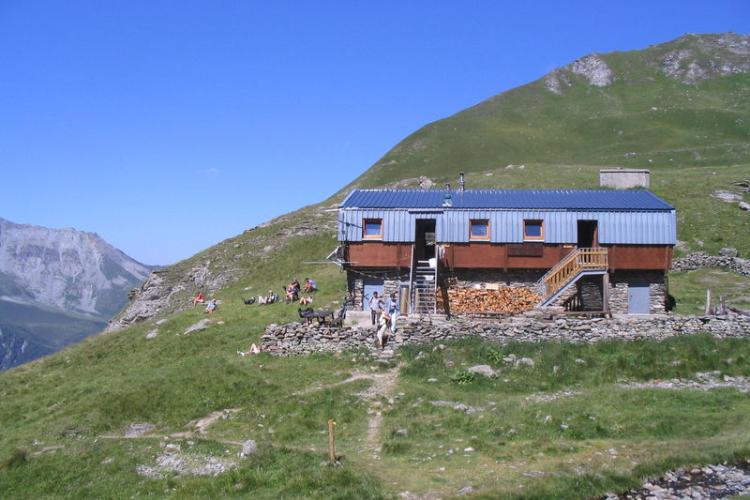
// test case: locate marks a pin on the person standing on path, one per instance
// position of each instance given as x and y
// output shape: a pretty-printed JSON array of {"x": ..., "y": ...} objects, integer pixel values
[
  {"x": 376, "y": 307},
  {"x": 393, "y": 309}
]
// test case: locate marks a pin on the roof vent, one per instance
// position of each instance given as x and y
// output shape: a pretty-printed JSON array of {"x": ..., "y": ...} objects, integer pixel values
[{"x": 461, "y": 184}]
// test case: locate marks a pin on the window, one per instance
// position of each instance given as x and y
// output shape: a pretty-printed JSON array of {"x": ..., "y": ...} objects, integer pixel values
[
  {"x": 533, "y": 230},
  {"x": 373, "y": 229},
  {"x": 479, "y": 229}
]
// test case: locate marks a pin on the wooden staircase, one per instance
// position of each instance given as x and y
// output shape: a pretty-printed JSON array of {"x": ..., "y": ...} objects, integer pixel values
[
  {"x": 424, "y": 288},
  {"x": 579, "y": 262}
]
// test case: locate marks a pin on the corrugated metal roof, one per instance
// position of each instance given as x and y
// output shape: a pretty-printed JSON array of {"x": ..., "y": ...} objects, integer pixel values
[{"x": 565, "y": 199}]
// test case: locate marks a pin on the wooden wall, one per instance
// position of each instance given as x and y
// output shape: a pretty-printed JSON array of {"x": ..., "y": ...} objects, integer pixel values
[{"x": 507, "y": 256}]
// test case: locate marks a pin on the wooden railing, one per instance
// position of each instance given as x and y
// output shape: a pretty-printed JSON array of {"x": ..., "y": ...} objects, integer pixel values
[{"x": 580, "y": 259}]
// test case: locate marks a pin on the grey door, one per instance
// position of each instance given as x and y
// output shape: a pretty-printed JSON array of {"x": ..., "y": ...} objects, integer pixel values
[
  {"x": 639, "y": 298},
  {"x": 372, "y": 285}
]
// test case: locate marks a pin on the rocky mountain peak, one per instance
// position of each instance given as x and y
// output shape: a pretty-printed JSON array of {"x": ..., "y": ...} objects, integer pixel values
[
  {"x": 69, "y": 270},
  {"x": 689, "y": 59}
]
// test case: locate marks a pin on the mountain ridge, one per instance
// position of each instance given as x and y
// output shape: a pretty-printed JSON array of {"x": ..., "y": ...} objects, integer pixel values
[{"x": 57, "y": 286}]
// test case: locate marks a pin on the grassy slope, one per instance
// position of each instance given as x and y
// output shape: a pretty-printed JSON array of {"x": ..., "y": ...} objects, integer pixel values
[
  {"x": 98, "y": 387},
  {"x": 663, "y": 121}
]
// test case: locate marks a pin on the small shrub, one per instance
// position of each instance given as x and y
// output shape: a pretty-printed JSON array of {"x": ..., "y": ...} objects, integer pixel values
[
  {"x": 18, "y": 458},
  {"x": 463, "y": 377},
  {"x": 495, "y": 355}
]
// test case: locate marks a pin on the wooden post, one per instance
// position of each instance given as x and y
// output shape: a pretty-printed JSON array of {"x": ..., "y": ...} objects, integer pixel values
[
  {"x": 708, "y": 302},
  {"x": 331, "y": 442},
  {"x": 605, "y": 293}
]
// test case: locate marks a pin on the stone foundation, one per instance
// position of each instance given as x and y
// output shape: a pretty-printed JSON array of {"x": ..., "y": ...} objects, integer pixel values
[
  {"x": 621, "y": 280},
  {"x": 392, "y": 280},
  {"x": 298, "y": 338}
]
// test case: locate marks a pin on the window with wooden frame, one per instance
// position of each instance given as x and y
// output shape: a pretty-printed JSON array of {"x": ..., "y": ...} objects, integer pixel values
[
  {"x": 533, "y": 230},
  {"x": 479, "y": 229},
  {"x": 372, "y": 229}
]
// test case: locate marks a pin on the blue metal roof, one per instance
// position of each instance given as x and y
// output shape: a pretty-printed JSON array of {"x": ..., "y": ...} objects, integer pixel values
[{"x": 504, "y": 199}]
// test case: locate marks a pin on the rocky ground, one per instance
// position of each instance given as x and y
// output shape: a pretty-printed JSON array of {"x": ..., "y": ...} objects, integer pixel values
[{"x": 709, "y": 482}]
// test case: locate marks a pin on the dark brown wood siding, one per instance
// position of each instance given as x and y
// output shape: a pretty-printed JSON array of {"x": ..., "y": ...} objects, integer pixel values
[
  {"x": 379, "y": 254},
  {"x": 503, "y": 256},
  {"x": 507, "y": 256},
  {"x": 641, "y": 257}
]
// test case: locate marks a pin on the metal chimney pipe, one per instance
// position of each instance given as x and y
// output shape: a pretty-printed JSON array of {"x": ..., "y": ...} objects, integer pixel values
[{"x": 461, "y": 184}]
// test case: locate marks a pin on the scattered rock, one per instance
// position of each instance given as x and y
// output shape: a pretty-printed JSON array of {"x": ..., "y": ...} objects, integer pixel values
[
  {"x": 542, "y": 397},
  {"x": 726, "y": 196},
  {"x": 138, "y": 429},
  {"x": 744, "y": 206},
  {"x": 711, "y": 481},
  {"x": 204, "y": 423},
  {"x": 704, "y": 381},
  {"x": 728, "y": 252},
  {"x": 197, "y": 327},
  {"x": 152, "y": 334},
  {"x": 525, "y": 362},
  {"x": 249, "y": 448},
  {"x": 465, "y": 491},
  {"x": 458, "y": 406},
  {"x": 484, "y": 370},
  {"x": 185, "y": 465}
]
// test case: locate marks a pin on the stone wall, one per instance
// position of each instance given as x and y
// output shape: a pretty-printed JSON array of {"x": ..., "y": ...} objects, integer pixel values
[
  {"x": 392, "y": 279},
  {"x": 298, "y": 338},
  {"x": 699, "y": 260},
  {"x": 621, "y": 280}
]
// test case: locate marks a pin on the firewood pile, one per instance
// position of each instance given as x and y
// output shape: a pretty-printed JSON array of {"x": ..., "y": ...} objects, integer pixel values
[{"x": 505, "y": 300}]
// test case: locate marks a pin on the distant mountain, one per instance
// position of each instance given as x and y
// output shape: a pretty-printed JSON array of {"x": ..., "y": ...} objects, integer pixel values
[
  {"x": 57, "y": 286},
  {"x": 685, "y": 102}
]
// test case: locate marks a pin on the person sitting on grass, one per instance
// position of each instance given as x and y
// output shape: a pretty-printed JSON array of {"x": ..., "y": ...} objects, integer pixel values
[
  {"x": 198, "y": 299},
  {"x": 310, "y": 285},
  {"x": 292, "y": 291},
  {"x": 211, "y": 307},
  {"x": 254, "y": 349}
]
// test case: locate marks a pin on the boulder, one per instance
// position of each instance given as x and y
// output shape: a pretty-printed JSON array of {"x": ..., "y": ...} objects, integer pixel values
[
  {"x": 484, "y": 370},
  {"x": 249, "y": 448}
]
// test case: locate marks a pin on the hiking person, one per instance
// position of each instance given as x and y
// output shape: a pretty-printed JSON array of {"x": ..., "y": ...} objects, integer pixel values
[
  {"x": 211, "y": 307},
  {"x": 376, "y": 306},
  {"x": 384, "y": 321},
  {"x": 393, "y": 308},
  {"x": 198, "y": 299}
]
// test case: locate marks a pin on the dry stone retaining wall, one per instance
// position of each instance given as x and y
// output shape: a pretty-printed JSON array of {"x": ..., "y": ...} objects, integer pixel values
[
  {"x": 700, "y": 260},
  {"x": 297, "y": 338}
]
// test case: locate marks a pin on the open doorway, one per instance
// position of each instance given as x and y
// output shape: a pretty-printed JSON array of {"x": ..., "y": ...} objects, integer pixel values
[
  {"x": 588, "y": 236},
  {"x": 424, "y": 239}
]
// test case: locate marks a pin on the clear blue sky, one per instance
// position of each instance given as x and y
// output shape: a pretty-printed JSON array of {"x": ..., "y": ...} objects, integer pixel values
[{"x": 168, "y": 126}]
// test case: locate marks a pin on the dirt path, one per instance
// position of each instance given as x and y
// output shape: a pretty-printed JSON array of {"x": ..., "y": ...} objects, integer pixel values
[{"x": 382, "y": 387}]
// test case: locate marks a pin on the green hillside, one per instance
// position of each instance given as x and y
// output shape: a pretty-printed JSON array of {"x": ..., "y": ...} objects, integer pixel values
[
  {"x": 64, "y": 418},
  {"x": 652, "y": 114}
]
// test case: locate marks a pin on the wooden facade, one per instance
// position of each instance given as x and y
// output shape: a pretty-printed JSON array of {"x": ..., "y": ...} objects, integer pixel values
[{"x": 476, "y": 255}]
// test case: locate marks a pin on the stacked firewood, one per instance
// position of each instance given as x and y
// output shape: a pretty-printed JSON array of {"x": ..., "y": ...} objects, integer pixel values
[{"x": 506, "y": 300}]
